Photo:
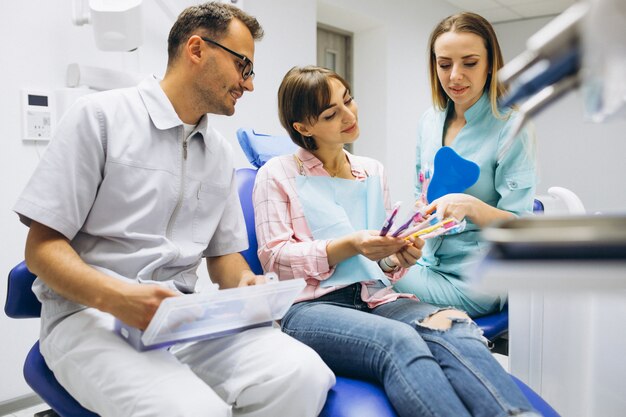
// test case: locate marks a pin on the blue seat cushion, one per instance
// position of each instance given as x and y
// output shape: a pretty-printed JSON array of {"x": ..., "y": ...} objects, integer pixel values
[
  {"x": 41, "y": 379},
  {"x": 495, "y": 324},
  {"x": 356, "y": 398},
  {"x": 21, "y": 301}
]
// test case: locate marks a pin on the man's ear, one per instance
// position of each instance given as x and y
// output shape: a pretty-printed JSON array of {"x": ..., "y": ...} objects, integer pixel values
[
  {"x": 193, "y": 48},
  {"x": 302, "y": 129}
]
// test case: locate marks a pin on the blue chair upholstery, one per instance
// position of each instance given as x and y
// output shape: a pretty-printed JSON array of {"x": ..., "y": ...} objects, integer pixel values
[
  {"x": 260, "y": 148},
  {"x": 351, "y": 398},
  {"x": 494, "y": 325},
  {"x": 245, "y": 183},
  {"x": 22, "y": 303}
]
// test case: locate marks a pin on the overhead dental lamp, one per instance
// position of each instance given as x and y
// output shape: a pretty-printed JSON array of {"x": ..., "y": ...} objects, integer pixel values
[{"x": 117, "y": 24}]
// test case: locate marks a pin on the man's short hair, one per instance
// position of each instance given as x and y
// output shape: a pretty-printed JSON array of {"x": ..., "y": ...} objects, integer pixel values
[{"x": 209, "y": 19}]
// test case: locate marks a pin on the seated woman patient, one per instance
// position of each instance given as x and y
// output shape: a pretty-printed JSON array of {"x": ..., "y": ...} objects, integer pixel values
[{"x": 318, "y": 214}]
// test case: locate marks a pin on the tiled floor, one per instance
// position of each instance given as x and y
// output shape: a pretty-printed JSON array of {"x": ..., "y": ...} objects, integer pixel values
[{"x": 28, "y": 412}]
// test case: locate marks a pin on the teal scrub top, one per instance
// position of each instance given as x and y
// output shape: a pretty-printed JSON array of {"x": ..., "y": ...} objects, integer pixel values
[{"x": 507, "y": 181}]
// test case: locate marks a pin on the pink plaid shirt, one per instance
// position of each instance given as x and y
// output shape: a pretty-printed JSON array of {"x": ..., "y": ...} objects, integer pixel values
[{"x": 286, "y": 244}]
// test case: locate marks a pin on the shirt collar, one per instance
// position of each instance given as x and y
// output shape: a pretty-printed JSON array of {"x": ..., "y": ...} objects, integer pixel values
[
  {"x": 479, "y": 108},
  {"x": 160, "y": 107},
  {"x": 311, "y": 163}
]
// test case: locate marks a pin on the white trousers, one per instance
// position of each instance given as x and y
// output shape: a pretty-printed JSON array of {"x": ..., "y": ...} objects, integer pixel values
[{"x": 257, "y": 373}]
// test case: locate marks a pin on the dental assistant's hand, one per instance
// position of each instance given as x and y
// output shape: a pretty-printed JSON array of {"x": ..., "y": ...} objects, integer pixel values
[
  {"x": 461, "y": 206},
  {"x": 408, "y": 256},
  {"x": 456, "y": 205}
]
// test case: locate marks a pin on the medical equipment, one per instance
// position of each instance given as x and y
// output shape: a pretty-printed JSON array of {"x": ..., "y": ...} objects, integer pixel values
[
  {"x": 213, "y": 314},
  {"x": 583, "y": 46},
  {"x": 117, "y": 24},
  {"x": 535, "y": 104},
  {"x": 604, "y": 59},
  {"x": 547, "y": 69},
  {"x": 544, "y": 73},
  {"x": 452, "y": 174},
  {"x": 100, "y": 79},
  {"x": 38, "y": 115},
  {"x": 560, "y": 34}
]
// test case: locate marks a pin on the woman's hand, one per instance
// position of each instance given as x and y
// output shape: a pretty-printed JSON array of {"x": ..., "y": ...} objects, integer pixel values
[
  {"x": 368, "y": 243},
  {"x": 456, "y": 205},
  {"x": 375, "y": 247},
  {"x": 408, "y": 256},
  {"x": 461, "y": 206}
]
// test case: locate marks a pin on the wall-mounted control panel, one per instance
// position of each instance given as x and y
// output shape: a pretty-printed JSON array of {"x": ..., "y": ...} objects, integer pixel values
[{"x": 38, "y": 115}]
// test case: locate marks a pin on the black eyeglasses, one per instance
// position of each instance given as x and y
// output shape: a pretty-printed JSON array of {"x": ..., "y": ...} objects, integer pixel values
[{"x": 247, "y": 71}]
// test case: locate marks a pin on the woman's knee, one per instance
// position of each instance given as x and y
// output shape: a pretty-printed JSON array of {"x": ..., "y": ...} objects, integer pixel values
[{"x": 443, "y": 319}]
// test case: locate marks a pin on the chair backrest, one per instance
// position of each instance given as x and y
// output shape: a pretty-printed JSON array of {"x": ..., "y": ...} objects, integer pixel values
[
  {"x": 245, "y": 184},
  {"x": 21, "y": 302},
  {"x": 260, "y": 148}
]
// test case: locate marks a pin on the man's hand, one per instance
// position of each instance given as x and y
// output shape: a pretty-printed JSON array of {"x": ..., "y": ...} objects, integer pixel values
[
  {"x": 50, "y": 256},
  {"x": 248, "y": 278},
  {"x": 230, "y": 271},
  {"x": 136, "y": 304}
]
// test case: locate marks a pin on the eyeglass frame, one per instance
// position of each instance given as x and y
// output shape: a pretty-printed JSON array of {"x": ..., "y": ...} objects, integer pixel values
[{"x": 245, "y": 59}]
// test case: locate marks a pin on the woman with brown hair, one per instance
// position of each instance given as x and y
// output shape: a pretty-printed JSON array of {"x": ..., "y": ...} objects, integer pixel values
[{"x": 318, "y": 216}]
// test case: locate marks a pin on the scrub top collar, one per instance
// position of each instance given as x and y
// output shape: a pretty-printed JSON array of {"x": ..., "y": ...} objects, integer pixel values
[
  {"x": 477, "y": 110},
  {"x": 311, "y": 162},
  {"x": 162, "y": 111}
]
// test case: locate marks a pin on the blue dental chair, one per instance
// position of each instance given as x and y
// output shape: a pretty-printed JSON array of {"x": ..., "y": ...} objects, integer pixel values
[{"x": 348, "y": 398}]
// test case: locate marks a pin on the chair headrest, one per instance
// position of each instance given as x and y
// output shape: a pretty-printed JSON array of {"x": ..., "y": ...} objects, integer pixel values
[{"x": 260, "y": 148}]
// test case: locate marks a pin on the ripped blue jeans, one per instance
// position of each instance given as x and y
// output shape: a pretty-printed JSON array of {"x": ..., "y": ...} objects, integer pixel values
[{"x": 425, "y": 372}]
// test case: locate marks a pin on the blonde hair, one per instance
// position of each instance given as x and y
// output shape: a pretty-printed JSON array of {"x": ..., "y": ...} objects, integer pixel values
[{"x": 467, "y": 22}]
